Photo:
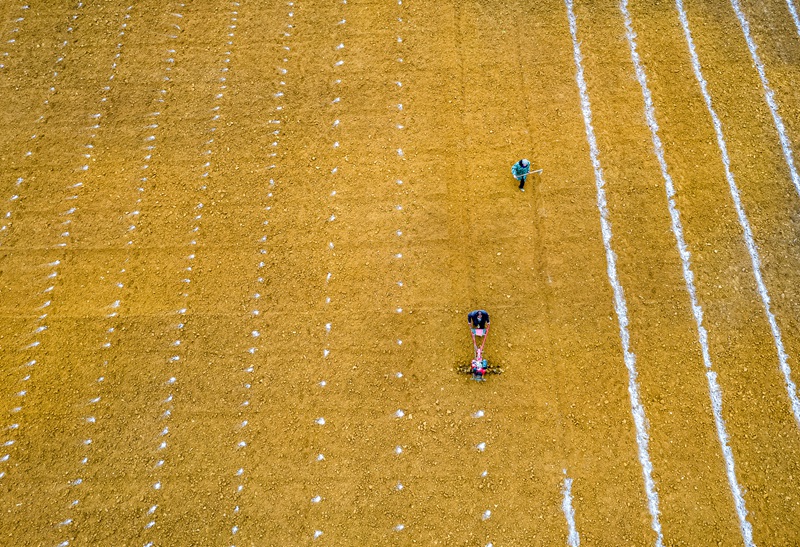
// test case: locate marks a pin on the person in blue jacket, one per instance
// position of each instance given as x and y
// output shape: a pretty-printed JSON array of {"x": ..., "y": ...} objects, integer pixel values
[{"x": 520, "y": 171}]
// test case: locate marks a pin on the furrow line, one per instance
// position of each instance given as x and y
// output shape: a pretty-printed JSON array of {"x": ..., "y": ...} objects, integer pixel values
[
  {"x": 573, "y": 537},
  {"x": 66, "y": 523},
  {"x": 620, "y": 306},
  {"x": 255, "y": 316},
  {"x": 769, "y": 95},
  {"x": 11, "y": 42},
  {"x": 714, "y": 390},
  {"x": 752, "y": 248},
  {"x": 12, "y": 202}
]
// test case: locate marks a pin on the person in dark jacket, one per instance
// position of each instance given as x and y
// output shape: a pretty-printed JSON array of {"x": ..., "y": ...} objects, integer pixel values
[{"x": 478, "y": 319}]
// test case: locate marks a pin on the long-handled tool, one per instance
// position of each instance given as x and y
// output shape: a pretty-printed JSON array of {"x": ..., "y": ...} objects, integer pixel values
[{"x": 528, "y": 173}]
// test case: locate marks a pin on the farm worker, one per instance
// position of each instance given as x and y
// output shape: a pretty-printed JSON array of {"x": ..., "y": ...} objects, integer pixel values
[
  {"x": 478, "y": 319},
  {"x": 520, "y": 171}
]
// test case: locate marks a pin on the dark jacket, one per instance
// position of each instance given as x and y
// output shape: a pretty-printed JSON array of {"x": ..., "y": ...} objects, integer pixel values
[{"x": 472, "y": 318}]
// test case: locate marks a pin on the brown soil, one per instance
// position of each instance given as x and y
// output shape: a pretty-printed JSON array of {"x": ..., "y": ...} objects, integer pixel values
[{"x": 362, "y": 233}]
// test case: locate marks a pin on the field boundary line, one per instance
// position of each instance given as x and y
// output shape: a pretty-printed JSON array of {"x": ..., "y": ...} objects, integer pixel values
[
  {"x": 714, "y": 390},
  {"x": 750, "y": 243},
  {"x": 620, "y": 306}
]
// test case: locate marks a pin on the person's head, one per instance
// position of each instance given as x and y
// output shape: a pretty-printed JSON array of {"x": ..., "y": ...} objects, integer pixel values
[
  {"x": 479, "y": 315},
  {"x": 524, "y": 163}
]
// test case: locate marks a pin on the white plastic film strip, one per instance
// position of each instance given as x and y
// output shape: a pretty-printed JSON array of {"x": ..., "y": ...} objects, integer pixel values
[
  {"x": 714, "y": 390},
  {"x": 620, "y": 306}
]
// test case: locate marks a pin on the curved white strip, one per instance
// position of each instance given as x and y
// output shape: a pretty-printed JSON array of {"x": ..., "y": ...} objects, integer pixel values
[
  {"x": 714, "y": 390},
  {"x": 639, "y": 418}
]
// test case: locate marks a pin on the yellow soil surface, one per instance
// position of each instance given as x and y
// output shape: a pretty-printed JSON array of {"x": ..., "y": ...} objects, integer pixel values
[{"x": 239, "y": 241}]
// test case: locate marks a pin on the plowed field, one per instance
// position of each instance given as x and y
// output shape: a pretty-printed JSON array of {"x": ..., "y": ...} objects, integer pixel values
[{"x": 240, "y": 239}]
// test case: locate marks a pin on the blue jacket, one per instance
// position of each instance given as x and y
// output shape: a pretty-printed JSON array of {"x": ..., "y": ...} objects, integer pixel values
[{"x": 518, "y": 171}]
